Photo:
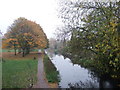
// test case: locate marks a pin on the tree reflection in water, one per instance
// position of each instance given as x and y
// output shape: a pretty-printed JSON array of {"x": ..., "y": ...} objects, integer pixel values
[{"x": 87, "y": 84}]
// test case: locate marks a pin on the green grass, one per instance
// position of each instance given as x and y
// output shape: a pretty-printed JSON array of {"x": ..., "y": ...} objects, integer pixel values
[
  {"x": 34, "y": 50},
  {"x": 12, "y": 50},
  {"x": 50, "y": 70},
  {"x": 7, "y": 50},
  {"x": 19, "y": 74}
]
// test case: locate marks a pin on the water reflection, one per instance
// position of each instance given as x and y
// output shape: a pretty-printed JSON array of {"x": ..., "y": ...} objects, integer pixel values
[
  {"x": 69, "y": 72},
  {"x": 87, "y": 84},
  {"x": 75, "y": 76}
]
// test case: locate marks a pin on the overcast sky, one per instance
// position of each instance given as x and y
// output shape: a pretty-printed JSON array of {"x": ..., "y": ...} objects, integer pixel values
[{"x": 43, "y": 12}]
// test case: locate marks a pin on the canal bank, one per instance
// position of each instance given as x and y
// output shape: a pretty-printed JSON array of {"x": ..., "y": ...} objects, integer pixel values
[
  {"x": 73, "y": 75},
  {"x": 51, "y": 72}
]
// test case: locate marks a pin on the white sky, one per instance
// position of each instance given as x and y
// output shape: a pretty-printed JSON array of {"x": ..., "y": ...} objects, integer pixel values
[{"x": 43, "y": 12}]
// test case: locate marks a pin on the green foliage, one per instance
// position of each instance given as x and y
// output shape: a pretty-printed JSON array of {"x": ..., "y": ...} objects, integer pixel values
[
  {"x": 85, "y": 63},
  {"x": 105, "y": 34},
  {"x": 50, "y": 70},
  {"x": 98, "y": 38},
  {"x": 19, "y": 74}
]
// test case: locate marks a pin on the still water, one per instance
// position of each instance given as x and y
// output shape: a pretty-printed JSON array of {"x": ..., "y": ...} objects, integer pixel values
[{"x": 73, "y": 73}]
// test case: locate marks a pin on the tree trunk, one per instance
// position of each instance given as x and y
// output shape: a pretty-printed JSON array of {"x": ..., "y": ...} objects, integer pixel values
[
  {"x": 23, "y": 53},
  {"x": 101, "y": 84},
  {"x": 27, "y": 50},
  {"x": 15, "y": 51},
  {"x": 19, "y": 50},
  {"x": 15, "y": 48}
]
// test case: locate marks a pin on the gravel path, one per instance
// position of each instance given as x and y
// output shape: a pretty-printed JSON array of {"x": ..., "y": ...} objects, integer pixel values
[{"x": 42, "y": 83}]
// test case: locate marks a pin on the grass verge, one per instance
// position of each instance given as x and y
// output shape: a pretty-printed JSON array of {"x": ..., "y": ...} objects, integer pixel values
[
  {"x": 50, "y": 70},
  {"x": 8, "y": 50},
  {"x": 19, "y": 73}
]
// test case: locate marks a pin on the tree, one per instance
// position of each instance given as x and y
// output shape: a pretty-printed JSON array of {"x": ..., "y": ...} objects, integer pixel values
[
  {"x": 27, "y": 34},
  {"x": 95, "y": 33}
]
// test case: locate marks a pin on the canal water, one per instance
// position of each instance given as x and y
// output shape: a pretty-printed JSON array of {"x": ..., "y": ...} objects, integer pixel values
[{"x": 74, "y": 75}]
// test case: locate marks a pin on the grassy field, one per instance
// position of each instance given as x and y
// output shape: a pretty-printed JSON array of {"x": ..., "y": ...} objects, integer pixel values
[
  {"x": 19, "y": 74},
  {"x": 18, "y": 71},
  {"x": 6, "y": 50},
  {"x": 50, "y": 70},
  {"x": 12, "y": 50}
]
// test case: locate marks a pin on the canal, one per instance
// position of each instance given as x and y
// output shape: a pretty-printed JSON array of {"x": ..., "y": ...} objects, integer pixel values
[{"x": 73, "y": 75}]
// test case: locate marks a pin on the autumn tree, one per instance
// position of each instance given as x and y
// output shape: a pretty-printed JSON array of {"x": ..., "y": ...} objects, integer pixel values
[
  {"x": 27, "y": 34},
  {"x": 101, "y": 36},
  {"x": 95, "y": 33}
]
